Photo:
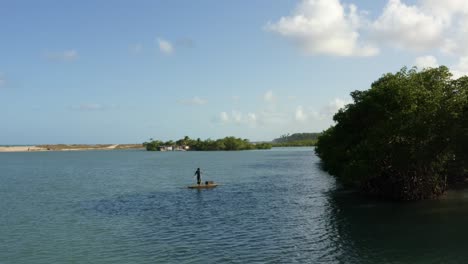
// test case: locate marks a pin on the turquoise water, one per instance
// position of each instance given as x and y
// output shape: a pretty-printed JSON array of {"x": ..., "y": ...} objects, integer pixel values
[{"x": 273, "y": 206}]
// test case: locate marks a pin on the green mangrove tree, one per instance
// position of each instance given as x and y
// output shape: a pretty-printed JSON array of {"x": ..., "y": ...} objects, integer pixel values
[{"x": 405, "y": 138}]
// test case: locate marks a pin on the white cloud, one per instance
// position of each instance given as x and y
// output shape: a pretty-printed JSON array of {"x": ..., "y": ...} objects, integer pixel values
[
  {"x": 283, "y": 116},
  {"x": 300, "y": 115},
  {"x": 454, "y": 15},
  {"x": 224, "y": 117},
  {"x": 455, "y": 43},
  {"x": 236, "y": 116},
  {"x": 338, "y": 103},
  {"x": 194, "y": 101},
  {"x": 426, "y": 62},
  {"x": 325, "y": 113},
  {"x": 408, "y": 27},
  {"x": 251, "y": 118},
  {"x": 445, "y": 9},
  {"x": 334, "y": 105},
  {"x": 269, "y": 97},
  {"x": 461, "y": 69},
  {"x": 165, "y": 46},
  {"x": 66, "y": 55},
  {"x": 458, "y": 70},
  {"x": 330, "y": 27},
  {"x": 325, "y": 27}
]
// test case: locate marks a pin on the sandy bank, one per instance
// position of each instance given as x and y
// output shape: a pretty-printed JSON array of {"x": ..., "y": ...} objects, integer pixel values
[
  {"x": 62, "y": 147},
  {"x": 21, "y": 149}
]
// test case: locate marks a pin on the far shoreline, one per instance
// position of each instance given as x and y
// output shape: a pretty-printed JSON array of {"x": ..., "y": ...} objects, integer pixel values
[
  {"x": 72, "y": 147},
  {"x": 84, "y": 147}
]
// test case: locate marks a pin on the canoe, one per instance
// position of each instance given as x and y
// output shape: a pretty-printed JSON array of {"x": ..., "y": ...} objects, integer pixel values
[{"x": 203, "y": 186}]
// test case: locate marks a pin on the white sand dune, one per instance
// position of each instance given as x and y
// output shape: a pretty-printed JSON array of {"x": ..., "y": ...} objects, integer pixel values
[
  {"x": 35, "y": 148},
  {"x": 21, "y": 149}
]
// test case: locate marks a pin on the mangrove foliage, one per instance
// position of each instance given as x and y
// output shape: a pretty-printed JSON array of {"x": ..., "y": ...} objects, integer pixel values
[{"x": 406, "y": 138}]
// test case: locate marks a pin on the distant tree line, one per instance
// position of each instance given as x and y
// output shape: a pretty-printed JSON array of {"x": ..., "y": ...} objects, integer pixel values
[
  {"x": 296, "y": 140},
  {"x": 406, "y": 138},
  {"x": 227, "y": 144}
]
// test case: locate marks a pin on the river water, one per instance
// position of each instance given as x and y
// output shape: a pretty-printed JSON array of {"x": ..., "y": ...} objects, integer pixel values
[{"x": 273, "y": 206}]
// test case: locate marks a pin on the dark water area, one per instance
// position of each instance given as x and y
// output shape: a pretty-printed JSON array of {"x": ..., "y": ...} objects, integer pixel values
[{"x": 272, "y": 206}]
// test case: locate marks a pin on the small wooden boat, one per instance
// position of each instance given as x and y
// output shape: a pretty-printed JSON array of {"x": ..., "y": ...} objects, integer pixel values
[{"x": 203, "y": 186}]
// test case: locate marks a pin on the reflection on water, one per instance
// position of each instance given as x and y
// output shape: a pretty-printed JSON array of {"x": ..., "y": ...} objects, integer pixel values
[
  {"x": 373, "y": 231},
  {"x": 273, "y": 207}
]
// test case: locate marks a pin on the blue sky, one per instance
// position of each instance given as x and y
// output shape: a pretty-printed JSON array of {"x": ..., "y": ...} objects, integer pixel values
[{"x": 125, "y": 71}]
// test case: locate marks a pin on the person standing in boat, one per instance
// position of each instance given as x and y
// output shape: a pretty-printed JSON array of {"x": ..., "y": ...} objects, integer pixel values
[{"x": 198, "y": 174}]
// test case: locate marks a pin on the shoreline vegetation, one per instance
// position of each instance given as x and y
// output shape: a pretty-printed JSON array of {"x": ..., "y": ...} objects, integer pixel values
[
  {"x": 231, "y": 143},
  {"x": 224, "y": 144},
  {"x": 188, "y": 144},
  {"x": 296, "y": 140},
  {"x": 405, "y": 139},
  {"x": 71, "y": 147}
]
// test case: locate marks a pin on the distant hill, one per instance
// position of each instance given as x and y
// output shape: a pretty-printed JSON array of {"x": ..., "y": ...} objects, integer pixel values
[{"x": 296, "y": 139}]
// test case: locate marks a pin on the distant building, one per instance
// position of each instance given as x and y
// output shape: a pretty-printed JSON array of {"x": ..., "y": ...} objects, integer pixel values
[
  {"x": 174, "y": 148},
  {"x": 165, "y": 148}
]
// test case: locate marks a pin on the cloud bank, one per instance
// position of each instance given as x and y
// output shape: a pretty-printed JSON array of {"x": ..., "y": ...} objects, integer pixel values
[
  {"x": 325, "y": 27},
  {"x": 426, "y": 62},
  {"x": 274, "y": 114},
  {"x": 330, "y": 27}
]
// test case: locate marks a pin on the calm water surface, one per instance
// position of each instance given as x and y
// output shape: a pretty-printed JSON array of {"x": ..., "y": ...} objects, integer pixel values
[{"x": 273, "y": 206}]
